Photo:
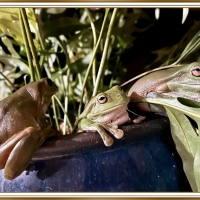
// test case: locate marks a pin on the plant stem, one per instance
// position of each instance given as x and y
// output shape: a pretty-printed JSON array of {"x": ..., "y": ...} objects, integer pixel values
[
  {"x": 188, "y": 51},
  {"x": 66, "y": 118},
  {"x": 8, "y": 80},
  {"x": 94, "y": 43},
  {"x": 103, "y": 60},
  {"x": 24, "y": 35},
  {"x": 55, "y": 113},
  {"x": 30, "y": 40},
  {"x": 93, "y": 56},
  {"x": 69, "y": 124},
  {"x": 66, "y": 104},
  {"x": 38, "y": 31},
  {"x": 147, "y": 72}
]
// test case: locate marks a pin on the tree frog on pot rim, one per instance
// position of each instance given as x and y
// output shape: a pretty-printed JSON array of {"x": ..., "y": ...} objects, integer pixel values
[{"x": 106, "y": 111}]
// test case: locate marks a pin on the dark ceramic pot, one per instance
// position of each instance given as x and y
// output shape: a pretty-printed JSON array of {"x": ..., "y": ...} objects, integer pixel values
[{"x": 144, "y": 160}]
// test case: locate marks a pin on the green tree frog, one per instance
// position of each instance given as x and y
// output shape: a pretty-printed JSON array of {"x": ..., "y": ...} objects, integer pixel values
[
  {"x": 109, "y": 109},
  {"x": 106, "y": 111},
  {"x": 23, "y": 127},
  {"x": 180, "y": 81}
]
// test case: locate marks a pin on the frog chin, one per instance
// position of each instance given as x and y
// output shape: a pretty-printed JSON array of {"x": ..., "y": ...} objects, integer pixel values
[
  {"x": 117, "y": 115},
  {"x": 49, "y": 94}
]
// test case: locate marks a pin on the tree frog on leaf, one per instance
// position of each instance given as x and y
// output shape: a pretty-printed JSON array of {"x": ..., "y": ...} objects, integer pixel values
[
  {"x": 23, "y": 127},
  {"x": 180, "y": 81},
  {"x": 106, "y": 111}
]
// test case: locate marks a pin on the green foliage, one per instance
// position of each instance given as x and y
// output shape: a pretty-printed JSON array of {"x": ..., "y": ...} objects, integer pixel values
[
  {"x": 185, "y": 125},
  {"x": 63, "y": 47},
  {"x": 10, "y": 23},
  {"x": 81, "y": 50}
]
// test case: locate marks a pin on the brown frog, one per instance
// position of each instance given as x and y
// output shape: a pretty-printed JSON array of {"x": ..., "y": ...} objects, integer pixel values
[{"x": 23, "y": 127}]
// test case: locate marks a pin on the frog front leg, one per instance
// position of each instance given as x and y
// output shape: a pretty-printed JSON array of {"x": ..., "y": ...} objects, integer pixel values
[
  {"x": 16, "y": 153},
  {"x": 87, "y": 125}
]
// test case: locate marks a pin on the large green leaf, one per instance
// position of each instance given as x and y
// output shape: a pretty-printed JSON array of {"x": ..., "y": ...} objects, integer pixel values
[
  {"x": 10, "y": 24},
  {"x": 11, "y": 28},
  {"x": 185, "y": 135},
  {"x": 185, "y": 138}
]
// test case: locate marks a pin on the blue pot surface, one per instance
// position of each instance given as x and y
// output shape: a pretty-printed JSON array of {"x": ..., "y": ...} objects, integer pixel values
[{"x": 144, "y": 160}]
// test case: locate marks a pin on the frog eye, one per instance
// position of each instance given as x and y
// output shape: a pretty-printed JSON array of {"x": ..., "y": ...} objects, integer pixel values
[
  {"x": 102, "y": 99},
  {"x": 196, "y": 71}
]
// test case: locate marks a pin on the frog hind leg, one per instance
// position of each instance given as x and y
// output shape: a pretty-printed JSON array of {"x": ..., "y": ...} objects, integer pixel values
[
  {"x": 7, "y": 147},
  {"x": 22, "y": 153}
]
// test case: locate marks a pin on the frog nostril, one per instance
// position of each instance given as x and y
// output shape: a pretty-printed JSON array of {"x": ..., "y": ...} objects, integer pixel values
[
  {"x": 182, "y": 77},
  {"x": 49, "y": 82}
]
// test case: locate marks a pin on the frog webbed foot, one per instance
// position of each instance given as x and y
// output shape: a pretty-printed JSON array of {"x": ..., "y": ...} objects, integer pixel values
[
  {"x": 17, "y": 152},
  {"x": 117, "y": 133},
  {"x": 88, "y": 125},
  {"x": 108, "y": 141}
]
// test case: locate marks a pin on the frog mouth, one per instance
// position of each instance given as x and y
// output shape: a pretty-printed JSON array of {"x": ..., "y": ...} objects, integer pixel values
[
  {"x": 185, "y": 84},
  {"x": 118, "y": 106},
  {"x": 50, "y": 93},
  {"x": 183, "y": 94},
  {"x": 114, "y": 108}
]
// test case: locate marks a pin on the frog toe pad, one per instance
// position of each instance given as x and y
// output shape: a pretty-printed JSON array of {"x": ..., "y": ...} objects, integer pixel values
[{"x": 119, "y": 133}]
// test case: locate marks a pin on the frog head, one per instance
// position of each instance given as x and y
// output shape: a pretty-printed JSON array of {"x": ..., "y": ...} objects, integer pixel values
[
  {"x": 106, "y": 107},
  {"x": 180, "y": 81},
  {"x": 41, "y": 93}
]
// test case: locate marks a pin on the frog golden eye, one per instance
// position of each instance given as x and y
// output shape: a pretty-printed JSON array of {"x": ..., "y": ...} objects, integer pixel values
[
  {"x": 102, "y": 99},
  {"x": 196, "y": 71}
]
